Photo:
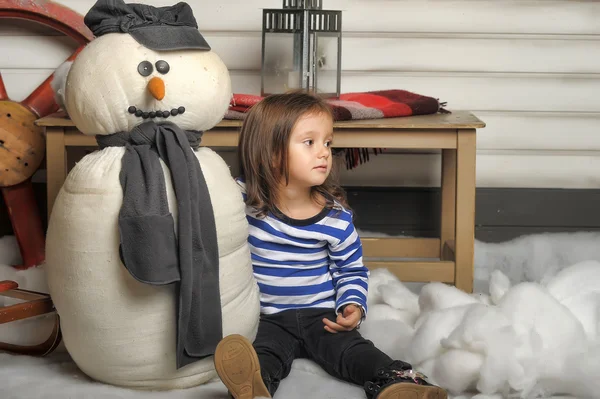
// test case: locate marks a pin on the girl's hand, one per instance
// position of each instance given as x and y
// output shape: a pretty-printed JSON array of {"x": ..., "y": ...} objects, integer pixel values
[{"x": 346, "y": 321}]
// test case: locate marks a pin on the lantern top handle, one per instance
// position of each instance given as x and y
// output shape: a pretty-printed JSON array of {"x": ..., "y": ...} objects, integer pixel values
[{"x": 303, "y": 4}]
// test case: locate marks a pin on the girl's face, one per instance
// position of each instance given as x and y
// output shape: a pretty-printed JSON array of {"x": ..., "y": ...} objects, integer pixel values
[{"x": 309, "y": 151}]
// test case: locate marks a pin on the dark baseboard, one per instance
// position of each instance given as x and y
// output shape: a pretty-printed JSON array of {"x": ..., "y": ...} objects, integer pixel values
[{"x": 501, "y": 213}]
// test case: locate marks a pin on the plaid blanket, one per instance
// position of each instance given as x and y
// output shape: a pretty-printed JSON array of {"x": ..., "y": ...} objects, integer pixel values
[{"x": 353, "y": 106}]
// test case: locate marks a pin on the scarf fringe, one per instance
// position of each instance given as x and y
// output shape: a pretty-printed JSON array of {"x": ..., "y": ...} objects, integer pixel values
[
  {"x": 441, "y": 108},
  {"x": 357, "y": 156},
  {"x": 353, "y": 157}
]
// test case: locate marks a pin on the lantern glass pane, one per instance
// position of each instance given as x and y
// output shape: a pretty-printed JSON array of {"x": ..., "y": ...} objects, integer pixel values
[
  {"x": 282, "y": 62},
  {"x": 325, "y": 61}
]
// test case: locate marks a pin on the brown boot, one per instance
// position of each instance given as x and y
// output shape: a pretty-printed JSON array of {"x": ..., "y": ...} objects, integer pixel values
[
  {"x": 399, "y": 381},
  {"x": 238, "y": 367},
  {"x": 411, "y": 390}
]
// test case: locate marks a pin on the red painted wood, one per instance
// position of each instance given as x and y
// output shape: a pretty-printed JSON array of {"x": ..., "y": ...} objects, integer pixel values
[
  {"x": 41, "y": 101},
  {"x": 3, "y": 94},
  {"x": 26, "y": 222},
  {"x": 19, "y": 198},
  {"x": 51, "y": 14},
  {"x": 7, "y": 285}
]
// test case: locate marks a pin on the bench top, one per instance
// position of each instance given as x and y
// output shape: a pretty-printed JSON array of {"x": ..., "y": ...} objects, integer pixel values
[{"x": 455, "y": 120}]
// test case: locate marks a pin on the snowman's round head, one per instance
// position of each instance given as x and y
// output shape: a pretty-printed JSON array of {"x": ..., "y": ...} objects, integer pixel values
[
  {"x": 116, "y": 83},
  {"x": 146, "y": 63}
]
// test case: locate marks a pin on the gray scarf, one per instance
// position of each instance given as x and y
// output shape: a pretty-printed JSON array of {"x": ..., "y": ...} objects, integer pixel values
[{"x": 149, "y": 248}]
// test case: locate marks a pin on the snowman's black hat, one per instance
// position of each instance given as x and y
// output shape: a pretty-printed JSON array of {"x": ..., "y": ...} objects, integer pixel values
[{"x": 158, "y": 28}]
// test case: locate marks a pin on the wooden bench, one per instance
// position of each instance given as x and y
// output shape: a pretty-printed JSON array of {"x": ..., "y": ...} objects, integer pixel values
[{"x": 453, "y": 134}]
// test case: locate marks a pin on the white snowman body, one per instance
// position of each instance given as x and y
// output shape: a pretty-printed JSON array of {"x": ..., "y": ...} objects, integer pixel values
[{"x": 117, "y": 329}]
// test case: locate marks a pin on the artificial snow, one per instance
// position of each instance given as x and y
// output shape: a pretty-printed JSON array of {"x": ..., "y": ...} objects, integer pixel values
[{"x": 531, "y": 329}]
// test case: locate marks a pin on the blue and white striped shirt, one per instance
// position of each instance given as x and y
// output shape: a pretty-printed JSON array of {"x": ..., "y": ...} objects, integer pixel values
[{"x": 310, "y": 263}]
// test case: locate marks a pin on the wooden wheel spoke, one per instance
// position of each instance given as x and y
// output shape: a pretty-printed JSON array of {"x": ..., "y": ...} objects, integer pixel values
[
  {"x": 3, "y": 94},
  {"x": 41, "y": 100},
  {"x": 24, "y": 142}
]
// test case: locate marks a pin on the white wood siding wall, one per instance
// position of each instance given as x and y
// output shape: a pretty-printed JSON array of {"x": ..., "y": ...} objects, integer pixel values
[{"x": 529, "y": 69}]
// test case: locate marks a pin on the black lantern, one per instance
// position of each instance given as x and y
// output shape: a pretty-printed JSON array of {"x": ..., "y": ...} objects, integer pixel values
[{"x": 301, "y": 49}]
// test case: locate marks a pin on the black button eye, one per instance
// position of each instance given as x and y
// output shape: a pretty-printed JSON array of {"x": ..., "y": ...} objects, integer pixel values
[
  {"x": 162, "y": 66},
  {"x": 145, "y": 68}
]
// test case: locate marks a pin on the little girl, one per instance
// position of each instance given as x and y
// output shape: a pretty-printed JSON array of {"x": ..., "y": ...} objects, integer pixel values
[{"x": 307, "y": 259}]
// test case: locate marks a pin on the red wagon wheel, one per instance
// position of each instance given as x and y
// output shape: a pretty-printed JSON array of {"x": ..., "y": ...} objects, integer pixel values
[
  {"x": 22, "y": 146},
  {"x": 22, "y": 143}
]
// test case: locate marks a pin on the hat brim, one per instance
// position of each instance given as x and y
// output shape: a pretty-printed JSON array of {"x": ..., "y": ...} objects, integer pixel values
[{"x": 167, "y": 37}]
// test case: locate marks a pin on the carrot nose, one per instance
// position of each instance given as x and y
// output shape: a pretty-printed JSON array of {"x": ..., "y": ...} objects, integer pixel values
[{"x": 156, "y": 87}]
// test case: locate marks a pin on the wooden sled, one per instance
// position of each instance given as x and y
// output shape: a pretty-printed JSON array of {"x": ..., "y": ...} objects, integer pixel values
[{"x": 35, "y": 304}]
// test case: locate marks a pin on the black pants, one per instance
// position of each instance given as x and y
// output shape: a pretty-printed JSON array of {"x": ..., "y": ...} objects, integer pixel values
[{"x": 291, "y": 334}]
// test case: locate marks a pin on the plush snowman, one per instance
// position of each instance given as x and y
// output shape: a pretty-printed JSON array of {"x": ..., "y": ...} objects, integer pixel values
[{"x": 147, "y": 256}]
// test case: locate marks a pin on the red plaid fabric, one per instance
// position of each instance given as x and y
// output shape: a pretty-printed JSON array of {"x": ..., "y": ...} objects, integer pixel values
[
  {"x": 354, "y": 106},
  {"x": 367, "y": 105}
]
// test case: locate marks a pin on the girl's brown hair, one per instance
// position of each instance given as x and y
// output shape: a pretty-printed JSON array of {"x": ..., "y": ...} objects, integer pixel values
[{"x": 263, "y": 149}]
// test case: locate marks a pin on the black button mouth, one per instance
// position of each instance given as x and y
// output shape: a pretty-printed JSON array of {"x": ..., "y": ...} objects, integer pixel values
[{"x": 155, "y": 114}]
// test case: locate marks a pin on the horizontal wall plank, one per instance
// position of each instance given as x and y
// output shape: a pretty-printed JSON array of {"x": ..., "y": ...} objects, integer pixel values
[
  {"x": 21, "y": 82},
  {"x": 23, "y": 27},
  {"x": 517, "y": 54},
  {"x": 542, "y": 16},
  {"x": 473, "y": 91},
  {"x": 372, "y": 52},
  {"x": 35, "y": 52},
  {"x": 539, "y": 171},
  {"x": 539, "y": 131},
  {"x": 516, "y": 92},
  {"x": 507, "y": 170}
]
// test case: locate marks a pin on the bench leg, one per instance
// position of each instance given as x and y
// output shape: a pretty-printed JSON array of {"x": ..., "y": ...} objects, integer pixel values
[
  {"x": 448, "y": 205},
  {"x": 465, "y": 209},
  {"x": 56, "y": 163}
]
